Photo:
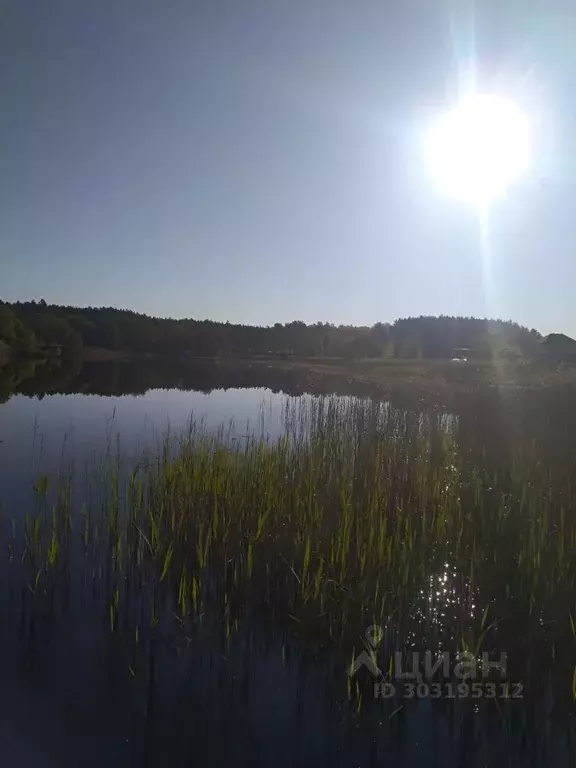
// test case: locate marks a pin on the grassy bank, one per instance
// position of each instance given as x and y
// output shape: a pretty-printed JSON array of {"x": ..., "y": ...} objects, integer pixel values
[{"x": 436, "y": 381}]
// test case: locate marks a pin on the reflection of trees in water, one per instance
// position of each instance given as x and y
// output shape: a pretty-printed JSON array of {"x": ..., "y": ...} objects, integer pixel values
[
  {"x": 121, "y": 378},
  {"x": 491, "y": 421},
  {"x": 12, "y": 376}
]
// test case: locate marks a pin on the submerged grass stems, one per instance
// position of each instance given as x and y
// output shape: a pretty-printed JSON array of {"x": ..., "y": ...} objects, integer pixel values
[{"x": 358, "y": 514}]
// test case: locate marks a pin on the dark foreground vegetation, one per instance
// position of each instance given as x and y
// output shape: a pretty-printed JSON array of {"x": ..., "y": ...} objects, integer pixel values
[{"x": 212, "y": 556}]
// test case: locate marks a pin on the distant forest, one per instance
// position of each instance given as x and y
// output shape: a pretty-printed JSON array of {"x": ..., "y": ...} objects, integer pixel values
[{"x": 30, "y": 328}]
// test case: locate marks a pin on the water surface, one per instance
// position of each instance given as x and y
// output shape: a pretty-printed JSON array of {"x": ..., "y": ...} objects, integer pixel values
[
  {"x": 43, "y": 435},
  {"x": 268, "y": 690}
]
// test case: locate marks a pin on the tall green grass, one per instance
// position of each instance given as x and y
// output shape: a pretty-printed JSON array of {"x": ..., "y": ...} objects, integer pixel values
[{"x": 359, "y": 514}]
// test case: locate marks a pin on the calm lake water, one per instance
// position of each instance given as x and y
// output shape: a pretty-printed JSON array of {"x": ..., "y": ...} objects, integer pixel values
[
  {"x": 39, "y": 436},
  {"x": 74, "y": 694}
]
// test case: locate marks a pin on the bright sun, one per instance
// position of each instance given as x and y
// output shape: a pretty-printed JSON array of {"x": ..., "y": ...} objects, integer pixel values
[{"x": 479, "y": 148}]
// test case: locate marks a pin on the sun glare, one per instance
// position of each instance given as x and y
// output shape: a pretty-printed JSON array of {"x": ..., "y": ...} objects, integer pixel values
[{"x": 479, "y": 148}]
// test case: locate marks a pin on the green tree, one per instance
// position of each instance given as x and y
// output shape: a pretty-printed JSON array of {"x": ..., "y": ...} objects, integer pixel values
[
  {"x": 51, "y": 329},
  {"x": 25, "y": 340},
  {"x": 8, "y": 322}
]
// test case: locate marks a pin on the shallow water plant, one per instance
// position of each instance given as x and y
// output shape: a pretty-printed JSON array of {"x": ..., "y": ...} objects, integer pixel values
[{"x": 359, "y": 514}]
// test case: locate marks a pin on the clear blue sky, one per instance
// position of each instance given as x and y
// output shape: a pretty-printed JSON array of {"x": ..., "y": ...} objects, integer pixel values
[{"x": 260, "y": 160}]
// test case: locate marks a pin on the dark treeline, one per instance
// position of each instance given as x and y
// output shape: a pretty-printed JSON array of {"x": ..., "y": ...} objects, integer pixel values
[{"x": 30, "y": 326}]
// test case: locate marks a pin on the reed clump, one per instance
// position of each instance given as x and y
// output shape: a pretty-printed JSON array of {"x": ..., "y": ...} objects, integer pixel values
[{"x": 358, "y": 514}]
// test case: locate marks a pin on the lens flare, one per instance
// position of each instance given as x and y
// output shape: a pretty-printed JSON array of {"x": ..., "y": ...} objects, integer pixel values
[{"x": 479, "y": 148}]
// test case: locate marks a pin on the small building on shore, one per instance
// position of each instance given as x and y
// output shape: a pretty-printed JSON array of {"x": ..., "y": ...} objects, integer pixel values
[
  {"x": 462, "y": 354},
  {"x": 559, "y": 348}
]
